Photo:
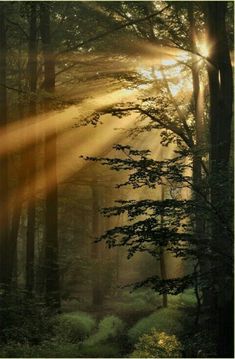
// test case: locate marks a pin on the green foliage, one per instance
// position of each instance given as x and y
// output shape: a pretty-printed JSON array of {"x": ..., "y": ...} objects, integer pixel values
[
  {"x": 141, "y": 300},
  {"x": 24, "y": 318},
  {"x": 74, "y": 327},
  {"x": 101, "y": 350},
  {"x": 165, "y": 319},
  {"x": 46, "y": 349},
  {"x": 157, "y": 345},
  {"x": 171, "y": 286},
  {"x": 185, "y": 299},
  {"x": 110, "y": 328},
  {"x": 57, "y": 350},
  {"x": 16, "y": 350}
]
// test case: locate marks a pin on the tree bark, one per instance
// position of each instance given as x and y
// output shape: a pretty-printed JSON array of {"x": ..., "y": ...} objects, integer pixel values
[
  {"x": 17, "y": 207},
  {"x": 163, "y": 257},
  {"x": 31, "y": 155},
  {"x": 4, "y": 213},
  {"x": 201, "y": 236},
  {"x": 51, "y": 231},
  {"x": 97, "y": 293},
  {"x": 221, "y": 101}
]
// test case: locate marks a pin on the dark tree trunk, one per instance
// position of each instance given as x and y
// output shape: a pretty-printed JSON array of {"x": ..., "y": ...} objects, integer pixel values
[
  {"x": 31, "y": 155},
  {"x": 163, "y": 258},
  {"x": 15, "y": 225},
  {"x": 221, "y": 101},
  {"x": 51, "y": 231},
  {"x": 4, "y": 213},
  {"x": 17, "y": 207},
  {"x": 198, "y": 188},
  {"x": 97, "y": 293}
]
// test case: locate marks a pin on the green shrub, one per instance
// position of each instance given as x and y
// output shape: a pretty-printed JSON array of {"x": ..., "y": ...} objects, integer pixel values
[
  {"x": 74, "y": 327},
  {"x": 111, "y": 327},
  {"x": 157, "y": 345},
  {"x": 164, "y": 320}
]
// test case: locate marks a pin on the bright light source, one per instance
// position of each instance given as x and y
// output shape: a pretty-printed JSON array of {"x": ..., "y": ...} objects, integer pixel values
[{"x": 203, "y": 47}]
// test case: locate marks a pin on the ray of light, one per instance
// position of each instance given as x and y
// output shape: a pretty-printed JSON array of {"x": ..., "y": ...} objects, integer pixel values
[
  {"x": 23, "y": 133},
  {"x": 203, "y": 46},
  {"x": 70, "y": 161}
]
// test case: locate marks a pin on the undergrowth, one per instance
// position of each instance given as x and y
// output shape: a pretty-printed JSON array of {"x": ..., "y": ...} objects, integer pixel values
[{"x": 74, "y": 327}]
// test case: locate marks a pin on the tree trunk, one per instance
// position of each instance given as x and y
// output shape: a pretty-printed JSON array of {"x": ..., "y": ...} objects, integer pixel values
[
  {"x": 31, "y": 155},
  {"x": 221, "y": 101},
  {"x": 198, "y": 189},
  {"x": 4, "y": 213},
  {"x": 97, "y": 293},
  {"x": 51, "y": 231},
  {"x": 17, "y": 208},
  {"x": 163, "y": 257}
]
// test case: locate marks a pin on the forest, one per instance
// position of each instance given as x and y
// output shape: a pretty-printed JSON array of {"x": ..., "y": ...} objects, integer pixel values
[{"x": 116, "y": 179}]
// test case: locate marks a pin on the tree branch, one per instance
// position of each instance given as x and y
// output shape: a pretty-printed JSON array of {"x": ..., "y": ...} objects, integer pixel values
[{"x": 108, "y": 32}]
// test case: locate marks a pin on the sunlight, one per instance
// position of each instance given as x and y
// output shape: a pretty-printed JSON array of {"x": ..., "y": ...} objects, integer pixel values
[
  {"x": 203, "y": 46},
  {"x": 175, "y": 89},
  {"x": 22, "y": 133},
  {"x": 183, "y": 85},
  {"x": 203, "y": 49},
  {"x": 86, "y": 141}
]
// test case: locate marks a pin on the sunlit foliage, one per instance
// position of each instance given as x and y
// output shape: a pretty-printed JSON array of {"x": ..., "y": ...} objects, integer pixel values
[{"x": 157, "y": 345}]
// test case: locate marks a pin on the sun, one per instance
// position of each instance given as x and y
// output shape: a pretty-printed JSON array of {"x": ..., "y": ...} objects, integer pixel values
[{"x": 203, "y": 48}]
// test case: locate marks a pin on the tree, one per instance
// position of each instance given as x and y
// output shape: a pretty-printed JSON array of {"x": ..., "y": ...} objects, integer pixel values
[
  {"x": 221, "y": 101},
  {"x": 51, "y": 235},
  {"x": 31, "y": 160},
  {"x": 4, "y": 216}
]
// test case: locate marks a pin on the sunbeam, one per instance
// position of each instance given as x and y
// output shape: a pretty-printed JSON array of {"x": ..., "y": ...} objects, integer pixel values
[{"x": 23, "y": 133}]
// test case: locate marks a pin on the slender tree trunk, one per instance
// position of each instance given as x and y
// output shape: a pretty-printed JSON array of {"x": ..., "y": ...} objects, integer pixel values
[
  {"x": 97, "y": 294},
  {"x": 163, "y": 257},
  {"x": 51, "y": 232},
  {"x": 31, "y": 155},
  {"x": 17, "y": 208},
  {"x": 221, "y": 101}
]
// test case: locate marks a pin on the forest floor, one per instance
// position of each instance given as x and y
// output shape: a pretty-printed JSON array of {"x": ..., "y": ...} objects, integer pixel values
[{"x": 112, "y": 331}]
